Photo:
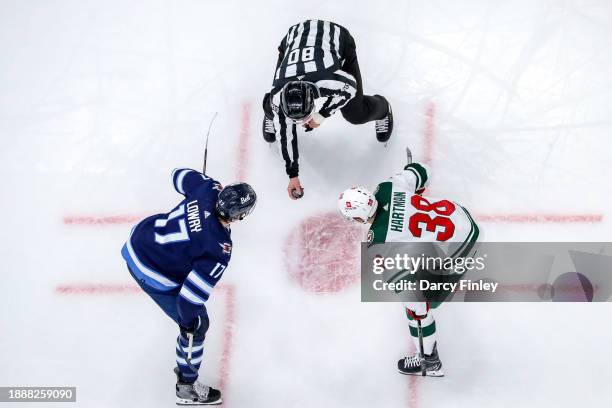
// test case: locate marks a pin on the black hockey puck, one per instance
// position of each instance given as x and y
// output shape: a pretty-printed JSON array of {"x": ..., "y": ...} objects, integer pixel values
[{"x": 296, "y": 194}]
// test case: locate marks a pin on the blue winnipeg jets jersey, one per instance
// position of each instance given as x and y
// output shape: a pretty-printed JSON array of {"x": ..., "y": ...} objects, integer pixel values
[{"x": 185, "y": 250}]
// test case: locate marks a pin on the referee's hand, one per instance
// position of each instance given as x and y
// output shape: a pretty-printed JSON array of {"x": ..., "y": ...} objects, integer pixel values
[
  {"x": 311, "y": 124},
  {"x": 295, "y": 189}
]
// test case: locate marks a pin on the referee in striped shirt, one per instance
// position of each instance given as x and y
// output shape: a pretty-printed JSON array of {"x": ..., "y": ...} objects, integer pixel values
[{"x": 316, "y": 74}]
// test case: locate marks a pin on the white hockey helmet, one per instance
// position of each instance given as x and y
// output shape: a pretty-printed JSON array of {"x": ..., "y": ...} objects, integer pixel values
[{"x": 357, "y": 204}]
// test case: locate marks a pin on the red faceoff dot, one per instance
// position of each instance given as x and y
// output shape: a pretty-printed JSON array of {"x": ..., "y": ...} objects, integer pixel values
[{"x": 322, "y": 253}]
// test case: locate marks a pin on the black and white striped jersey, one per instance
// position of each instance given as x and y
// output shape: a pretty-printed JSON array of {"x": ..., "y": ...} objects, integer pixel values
[
  {"x": 312, "y": 51},
  {"x": 309, "y": 47}
]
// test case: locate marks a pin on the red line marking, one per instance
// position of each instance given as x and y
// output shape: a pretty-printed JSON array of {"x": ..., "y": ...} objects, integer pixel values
[
  {"x": 94, "y": 220},
  {"x": 428, "y": 134},
  {"x": 413, "y": 395},
  {"x": 242, "y": 160},
  {"x": 228, "y": 338},
  {"x": 430, "y": 113},
  {"x": 116, "y": 289},
  {"x": 540, "y": 218},
  {"x": 101, "y": 219},
  {"x": 428, "y": 142},
  {"x": 241, "y": 166},
  {"x": 98, "y": 289},
  {"x": 413, "y": 389}
]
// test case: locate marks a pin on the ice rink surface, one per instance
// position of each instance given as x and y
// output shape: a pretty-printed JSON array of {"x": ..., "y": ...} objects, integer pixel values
[{"x": 507, "y": 101}]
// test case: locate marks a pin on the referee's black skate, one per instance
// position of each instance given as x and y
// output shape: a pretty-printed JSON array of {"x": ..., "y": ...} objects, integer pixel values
[
  {"x": 267, "y": 127},
  {"x": 195, "y": 393},
  {"x": 384, "y": 127},
  {"x": 412, "y": 365}
]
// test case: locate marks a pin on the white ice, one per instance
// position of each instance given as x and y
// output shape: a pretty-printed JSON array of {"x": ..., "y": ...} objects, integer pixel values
[{"x": 100, "y": 100}]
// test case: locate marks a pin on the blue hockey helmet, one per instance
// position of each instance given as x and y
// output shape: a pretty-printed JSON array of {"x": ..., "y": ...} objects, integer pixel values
[{"x": 236, "y": 201}]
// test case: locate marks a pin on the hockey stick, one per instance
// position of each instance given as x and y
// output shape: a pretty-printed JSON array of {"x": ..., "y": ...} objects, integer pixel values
[
  {"x": 206, "y": 146},
  {"x": 421, "y": 349},
  {"x": 419, "y": 326},
  {"x": 409, "y": 162},
  {"x": 189, "y": 352}
]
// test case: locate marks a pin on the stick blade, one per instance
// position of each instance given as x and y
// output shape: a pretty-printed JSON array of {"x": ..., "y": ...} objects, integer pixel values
[{"x": 408, "y": 156}]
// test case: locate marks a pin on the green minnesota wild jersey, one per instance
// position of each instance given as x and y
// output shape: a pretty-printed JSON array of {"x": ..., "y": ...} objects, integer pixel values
[{"x": 404, "y": 215}]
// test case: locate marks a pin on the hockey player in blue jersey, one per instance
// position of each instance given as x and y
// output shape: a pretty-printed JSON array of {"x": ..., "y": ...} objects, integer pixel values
[{"x": 177, "y": 259}]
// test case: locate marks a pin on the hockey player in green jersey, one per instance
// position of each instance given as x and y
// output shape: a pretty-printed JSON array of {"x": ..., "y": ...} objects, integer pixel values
[{"x": 398, "y": 212}]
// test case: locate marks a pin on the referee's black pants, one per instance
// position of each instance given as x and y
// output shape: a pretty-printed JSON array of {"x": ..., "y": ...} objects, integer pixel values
[{"x": 362, "y": 108}]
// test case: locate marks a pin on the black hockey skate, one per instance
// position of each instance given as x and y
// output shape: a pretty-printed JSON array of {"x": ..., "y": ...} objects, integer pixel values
[
  {"x": 196, "y": 393},
  {"x": 267, "y": 128},
  {"x": 412, "y": 365},
  {"x": 384, "y": 127}
]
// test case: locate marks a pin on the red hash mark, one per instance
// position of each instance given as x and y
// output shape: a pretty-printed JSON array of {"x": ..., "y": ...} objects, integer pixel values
[
  {"x": 540, "y": 218},
  {"x": 242, "y": 159},
  {"x": 228, "y": 337},
  {"x": 98, "y": 289},
  {"x": 102, "y": 219},
  {"x": 430, "y": 114}
]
